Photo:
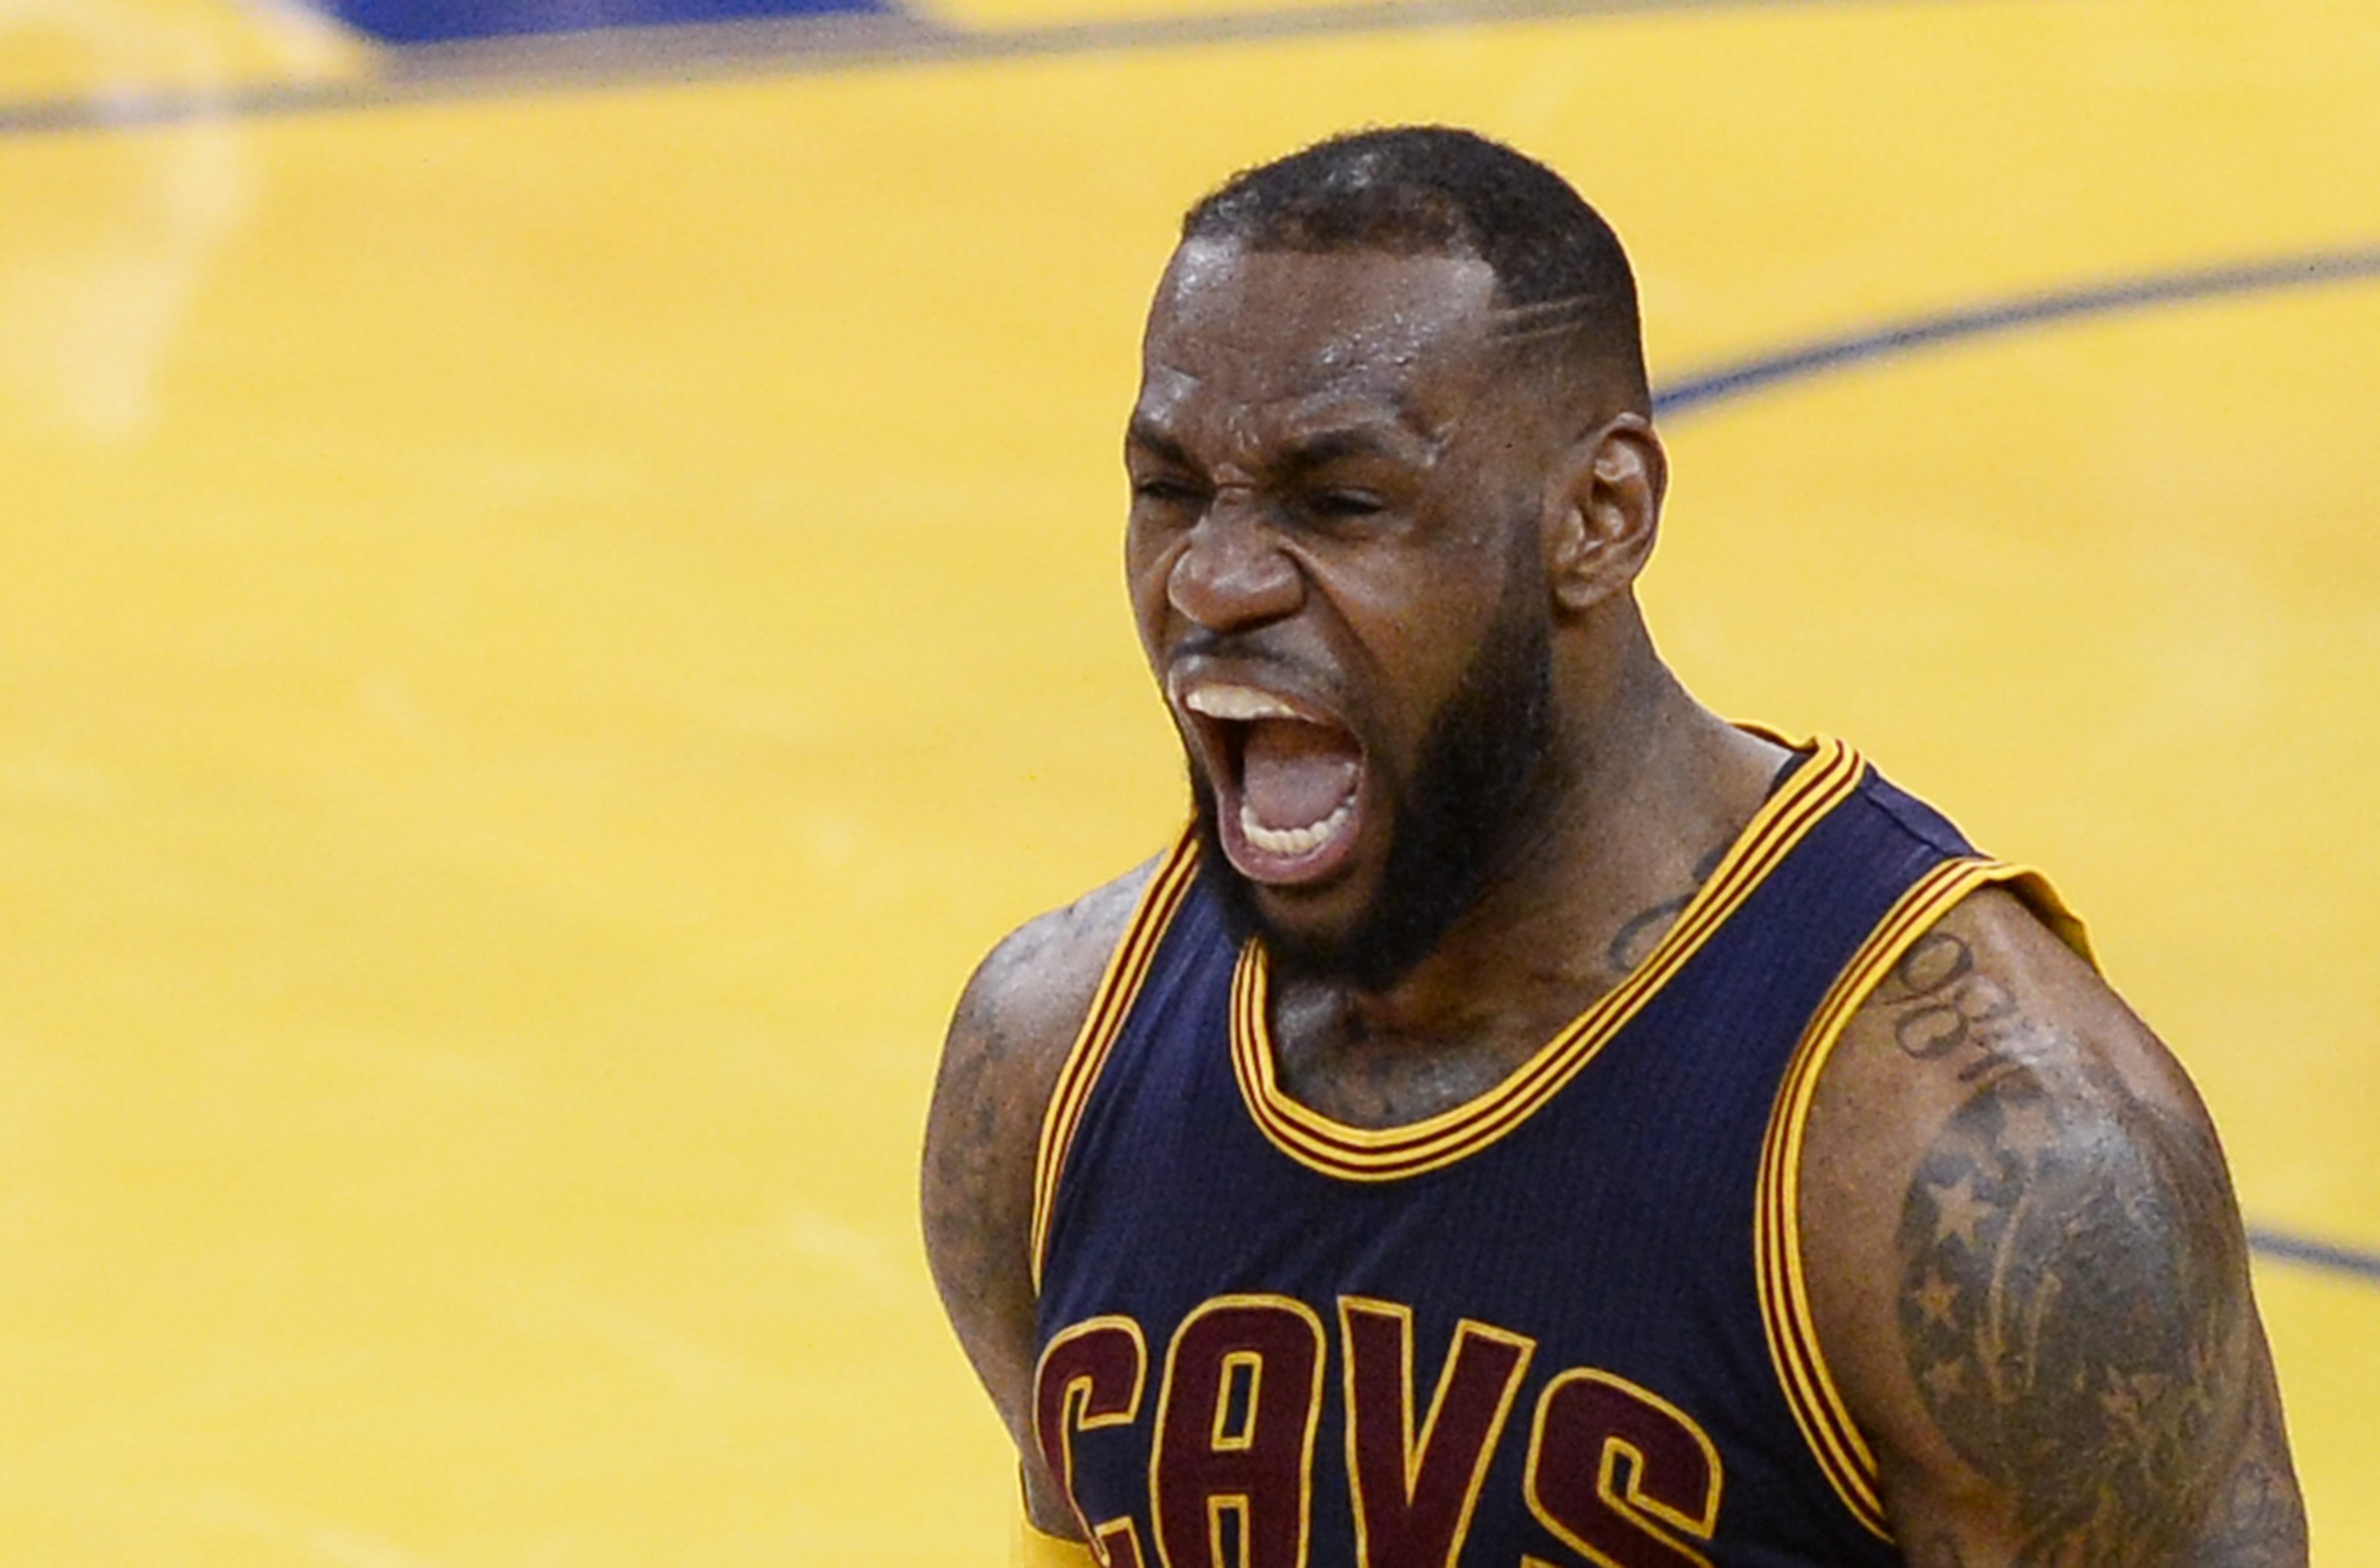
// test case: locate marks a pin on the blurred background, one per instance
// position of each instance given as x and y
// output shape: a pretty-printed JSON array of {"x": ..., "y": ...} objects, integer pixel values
[{"x": 558, "y": 586}]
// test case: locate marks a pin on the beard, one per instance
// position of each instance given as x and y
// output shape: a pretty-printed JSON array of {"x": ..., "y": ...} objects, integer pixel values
[{"x": 1477, "y": 796}]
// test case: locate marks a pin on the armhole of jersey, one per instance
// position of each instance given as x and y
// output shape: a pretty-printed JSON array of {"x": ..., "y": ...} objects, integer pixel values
[
  {"x": 1835, "y": 1440},
  {"x": 1110, "y": 1005},
  {"x": 2033, "y": 890}
]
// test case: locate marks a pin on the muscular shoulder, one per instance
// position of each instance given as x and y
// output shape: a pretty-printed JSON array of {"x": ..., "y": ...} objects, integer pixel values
[
  {"x": 1008, "y": 1039},
  {"x": 1028, "y": 998},
  {"x": 2028, "y": 1268}
]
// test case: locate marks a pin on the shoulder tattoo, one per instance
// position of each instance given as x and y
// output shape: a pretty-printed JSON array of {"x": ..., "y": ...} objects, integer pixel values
[{"x": 2072, "y": 1297}]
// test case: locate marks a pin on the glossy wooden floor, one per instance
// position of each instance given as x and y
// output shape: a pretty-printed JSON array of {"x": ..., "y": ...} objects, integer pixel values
[{"x": 547, "y": 613}]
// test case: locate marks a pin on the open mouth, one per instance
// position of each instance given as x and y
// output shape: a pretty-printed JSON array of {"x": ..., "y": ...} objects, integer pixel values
[{"x": 1288, "y": 783}]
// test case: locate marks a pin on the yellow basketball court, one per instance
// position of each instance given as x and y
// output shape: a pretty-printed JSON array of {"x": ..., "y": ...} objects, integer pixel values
[{"x": 556, "y": 592}]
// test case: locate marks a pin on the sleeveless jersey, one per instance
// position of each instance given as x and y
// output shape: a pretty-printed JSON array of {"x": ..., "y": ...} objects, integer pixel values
[{"x": 1561, "y": 1325}]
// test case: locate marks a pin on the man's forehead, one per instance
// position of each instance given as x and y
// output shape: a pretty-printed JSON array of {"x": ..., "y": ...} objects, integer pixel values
[
  {"x": 1318, "y": 336},
  {"x": 1328, "y": 304}
]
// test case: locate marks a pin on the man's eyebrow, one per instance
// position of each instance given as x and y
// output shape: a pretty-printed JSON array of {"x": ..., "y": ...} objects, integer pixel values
[
  {"x": 1322, "y": 448},
  {"x": 1329, "y": 446},
  {"x": 1143, "y": 433}
]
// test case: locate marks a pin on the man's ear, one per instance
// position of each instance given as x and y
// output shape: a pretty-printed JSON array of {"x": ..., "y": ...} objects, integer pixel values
[{"x": 1603, "y": 510}]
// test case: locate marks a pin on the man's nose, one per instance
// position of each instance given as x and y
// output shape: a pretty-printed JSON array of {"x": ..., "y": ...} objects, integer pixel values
[{"x": 1232, "y": 573}]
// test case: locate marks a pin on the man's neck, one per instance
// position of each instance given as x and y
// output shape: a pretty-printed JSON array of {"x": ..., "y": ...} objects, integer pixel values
[{"x": 1646, "y": 786}]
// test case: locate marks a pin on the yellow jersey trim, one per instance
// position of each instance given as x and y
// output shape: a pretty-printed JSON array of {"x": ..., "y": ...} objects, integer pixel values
[
  {"x": 1835, "y": 1441},
  {"x": 1127, "y": 970},
  {"x": 1367, "y": 1154}
]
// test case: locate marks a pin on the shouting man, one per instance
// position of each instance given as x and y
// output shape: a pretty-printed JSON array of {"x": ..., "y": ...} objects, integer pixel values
[{"x": 1526, "y": 1120}]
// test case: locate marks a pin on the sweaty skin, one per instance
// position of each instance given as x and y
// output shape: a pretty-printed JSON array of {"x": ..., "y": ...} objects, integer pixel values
[{"x": 2026, "y": 1263}]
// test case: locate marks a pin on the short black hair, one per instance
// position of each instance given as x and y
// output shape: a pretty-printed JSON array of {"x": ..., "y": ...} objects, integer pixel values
[{"x": 1437, "y": 190}]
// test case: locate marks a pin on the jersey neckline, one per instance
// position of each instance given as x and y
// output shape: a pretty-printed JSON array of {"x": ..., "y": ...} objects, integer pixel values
[{"x": 1375, "y": 1154}]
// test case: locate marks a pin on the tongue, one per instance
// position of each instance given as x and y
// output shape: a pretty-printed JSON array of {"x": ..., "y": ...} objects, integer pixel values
[{"x": 1295, "y": 774}]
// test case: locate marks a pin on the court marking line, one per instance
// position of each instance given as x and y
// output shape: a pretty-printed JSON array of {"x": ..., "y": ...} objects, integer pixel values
[
  {"x": 2289, "y": 1248},
  {"x": 1738, "y": 378},
  {"x": 695, "y": 54}
]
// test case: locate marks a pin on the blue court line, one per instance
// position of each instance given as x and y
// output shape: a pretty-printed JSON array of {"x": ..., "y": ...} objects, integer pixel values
[
  {"x": 695, "y": 52},
  {"x": 1737, "y": 379},
  {"x": 1824, "y": 356},
  {"x": 447, "y": 21},
  {"x": 2322, "y": 1254}
]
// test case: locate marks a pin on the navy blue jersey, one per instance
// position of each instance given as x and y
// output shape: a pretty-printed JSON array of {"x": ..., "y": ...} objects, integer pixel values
[{"x": 1562, "y": 1324}]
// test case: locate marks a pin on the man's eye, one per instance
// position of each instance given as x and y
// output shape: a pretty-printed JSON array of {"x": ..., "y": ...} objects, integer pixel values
[
  {"x": 1166, "y": 492},
  {"x": 1344, "y": 504}
]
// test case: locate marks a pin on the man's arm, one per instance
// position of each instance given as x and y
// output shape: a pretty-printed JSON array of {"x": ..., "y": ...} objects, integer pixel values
[
  {"x": 2029, "y": 1273},
  {"x": 1007, "y": 1042}
]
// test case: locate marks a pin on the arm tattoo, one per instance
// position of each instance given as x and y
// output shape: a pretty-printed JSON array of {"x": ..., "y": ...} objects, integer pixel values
[
  {"x": 963, "y": 1175},
  {"x": 1949, "y": 1005},
  {"x": 2073, "y": 1295},
  {"x": 2264, "y": 1518}
]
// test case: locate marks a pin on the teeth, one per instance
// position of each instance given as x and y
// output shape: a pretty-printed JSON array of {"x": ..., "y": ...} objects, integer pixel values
[
  {"x": 1239, "y": 703},
  {"x": 1296, "y": 841}
]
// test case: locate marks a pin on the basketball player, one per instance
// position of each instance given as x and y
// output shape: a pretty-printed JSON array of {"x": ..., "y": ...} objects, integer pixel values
[{"x": 1527, "y": 1122}]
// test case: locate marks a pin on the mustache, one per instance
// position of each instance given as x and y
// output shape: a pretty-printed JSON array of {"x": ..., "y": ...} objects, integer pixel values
[
  {"x": 1239, "y": 648},
  {"x": 1250, "y": 655}
]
